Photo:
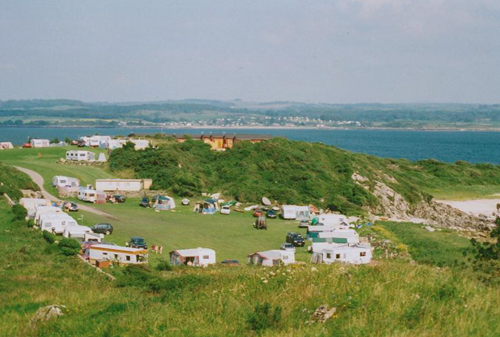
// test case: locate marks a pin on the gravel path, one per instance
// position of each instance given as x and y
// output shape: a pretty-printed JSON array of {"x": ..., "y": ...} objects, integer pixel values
[{"x": 38, "y": 179}]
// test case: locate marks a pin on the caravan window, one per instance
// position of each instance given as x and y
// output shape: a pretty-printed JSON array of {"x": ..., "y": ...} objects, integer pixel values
[
  {"x": 328, "y": 255},
  {"x": 105, "y": 254},
  {"x": 128, "y": 257},
  {"x": 82, "y": 154},
  {"x": 337, "y": 256},
  {"x": 206, "y": 257},
  {"x": 362, "y": 254},
  {"x": 285, "y": 257}
]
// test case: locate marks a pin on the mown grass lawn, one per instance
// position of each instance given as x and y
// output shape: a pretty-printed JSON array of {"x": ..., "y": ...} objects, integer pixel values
[{"x": 231, "y": 236}]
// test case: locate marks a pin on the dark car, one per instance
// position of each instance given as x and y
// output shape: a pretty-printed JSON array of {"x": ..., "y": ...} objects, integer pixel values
[
  {"x": 137, "y": 242},
  {"x": 145, "y": 202},
  {"x": 119, "y": 198},
  {"x": 229, "y": 262},
  {"x": 272, "y": 214},
  {"x": 103, "y": 228},
  {"x": 295, "y": 239}
]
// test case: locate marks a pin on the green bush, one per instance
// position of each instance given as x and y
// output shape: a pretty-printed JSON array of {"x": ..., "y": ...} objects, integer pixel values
[
  {"x": 31, "y": 223},
  {"x": 20, "y": 213},
  {"x": 49, "y": 237},
  {"x": 69, "y": 247},
  {"x": 264, "y": 317},
  {"x": 163, "y": 265}
]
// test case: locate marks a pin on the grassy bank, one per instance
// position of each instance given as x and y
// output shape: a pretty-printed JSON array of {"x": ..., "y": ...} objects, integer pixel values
[{"x": 390, "y": 298}]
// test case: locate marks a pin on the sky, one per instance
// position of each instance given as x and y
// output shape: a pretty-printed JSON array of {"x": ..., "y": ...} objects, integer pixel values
[{"x": 337, "y": 51}]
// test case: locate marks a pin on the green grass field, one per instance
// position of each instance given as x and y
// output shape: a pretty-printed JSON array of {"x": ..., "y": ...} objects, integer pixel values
[
  {"x": 389, "y": 298},
  {"x": 47, "y": 165}
]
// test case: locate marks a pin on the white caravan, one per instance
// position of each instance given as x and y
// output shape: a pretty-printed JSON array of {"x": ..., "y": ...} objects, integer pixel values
[
  {"x": 80, "y": 155},
  {"x": 32, "y": 203},
  {"x": 56, "y": 222},
  {"x": 271, "y": 258},
  {"x": 292, "y": 212},
  {"x": 45, "y": 209},
  {"x": 192, "y": 257},
  {"x": 126, "y": 255},
  {"x": 328, "y": 252},
  {"x": 76, "y": 232},
  {"x": 62, "y": 181}
]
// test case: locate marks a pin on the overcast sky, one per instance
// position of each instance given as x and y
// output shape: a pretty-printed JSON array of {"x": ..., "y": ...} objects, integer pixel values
[{"x": 338, "y": 51}]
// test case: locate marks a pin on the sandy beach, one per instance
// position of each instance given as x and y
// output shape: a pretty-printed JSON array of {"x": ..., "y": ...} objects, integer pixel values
[{"x": 475, "y": 207}]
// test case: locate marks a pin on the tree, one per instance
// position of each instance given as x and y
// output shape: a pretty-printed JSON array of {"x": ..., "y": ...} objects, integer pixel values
[
  {"x": 487, "y": 256},
  {"x": 54, "y": 141}
]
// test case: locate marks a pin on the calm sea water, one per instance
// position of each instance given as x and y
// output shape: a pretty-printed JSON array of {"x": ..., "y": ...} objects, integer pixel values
[{"x": 476, "y": 147}]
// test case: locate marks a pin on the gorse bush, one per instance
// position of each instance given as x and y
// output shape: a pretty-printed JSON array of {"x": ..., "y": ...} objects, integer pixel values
[
  {"x": 69, "y": 247},
  {"x": 20, "y": 213},
  {"x": 49, "y": 237},
  {"x": 13, "y": 180},
  {"x": 163, "y": 265}
]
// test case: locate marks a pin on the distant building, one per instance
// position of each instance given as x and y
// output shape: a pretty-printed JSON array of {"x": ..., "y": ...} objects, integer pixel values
[{"x": 221, "y": 142}]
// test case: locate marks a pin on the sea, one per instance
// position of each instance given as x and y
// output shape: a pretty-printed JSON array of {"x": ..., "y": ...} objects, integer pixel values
[{"x": 447, "y": 146}]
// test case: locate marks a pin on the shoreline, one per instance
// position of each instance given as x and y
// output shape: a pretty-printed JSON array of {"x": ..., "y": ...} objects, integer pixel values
[{"x": 329, "y": 128}]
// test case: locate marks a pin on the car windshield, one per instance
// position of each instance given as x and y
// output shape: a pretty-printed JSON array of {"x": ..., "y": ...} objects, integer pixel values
[{"x": 138, "y": 240}]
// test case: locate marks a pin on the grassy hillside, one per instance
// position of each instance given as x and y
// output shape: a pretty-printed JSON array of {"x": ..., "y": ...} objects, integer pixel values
[
  {"x": 45, "y": 162},
  {"x": 390, "y": 298},
  {"x": 299, "y": 172},
  {"x": 12, "y": 181}
]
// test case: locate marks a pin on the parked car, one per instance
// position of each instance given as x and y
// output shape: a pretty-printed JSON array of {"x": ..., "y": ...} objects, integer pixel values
[
  {"x": 272, "y": 214},
  {"x": 295, "y": 239},
  {"x": 225, "y": 210},
  {"x": 229, "y": 262},
  {"x": 257, "y": 213},
  {"x": 119, "y": 198},
  {"x": 137, "y": 242},
  {"x": 304, "y": 223},
  {"x": 103, "y": 228},
  {"x": 26, "y": 146},
  {"x": 70, "y": 206},
  {"x": 288, "y": 247},
  {"x": 145, "y": 202}
]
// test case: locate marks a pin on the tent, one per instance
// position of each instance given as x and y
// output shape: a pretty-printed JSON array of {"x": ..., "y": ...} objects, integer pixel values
[
  {"x": 164, "y": 203},
  {"x": 192, "y": 257},
  {"x": 210, "y": 206}
]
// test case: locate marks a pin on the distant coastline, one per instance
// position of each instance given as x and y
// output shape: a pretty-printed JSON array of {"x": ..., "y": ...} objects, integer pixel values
[{"x": 201, "y": 127}]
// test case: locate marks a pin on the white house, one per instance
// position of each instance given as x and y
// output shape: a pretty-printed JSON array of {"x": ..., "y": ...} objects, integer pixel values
[
  {"x": 195, "y": 257},
  {"x": 31, "y": 204},
  {"x": 62, "y": 181},
  {"x": 328, "y": 252},
  {"x": 80, "y": 155},
  {"x": 271, "y": 258},
  {"x": 56, "y": 222},
  {"x": 125, "y": 255},
  {"x": 139, "y": 144},
  {"x": 6, "y": 146},
  {"x": 292, "y": 212},
  {"x": 40, "y": 143},
  {"x": 132, "y": 185}
]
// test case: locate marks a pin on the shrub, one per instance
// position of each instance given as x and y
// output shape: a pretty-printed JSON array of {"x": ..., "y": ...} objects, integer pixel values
[
  {"x": 69, "y": 247},
  {"x": 163, "y": 265},
  {"x": 20, "y": 213},
  {"x": 263, "y": 317},
  {"x": 49, "y": 237},
  {"x": 31, "y": 223}
]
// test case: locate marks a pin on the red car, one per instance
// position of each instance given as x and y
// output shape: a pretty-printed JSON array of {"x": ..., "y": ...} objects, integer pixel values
[{"x": 26, "y": 146}]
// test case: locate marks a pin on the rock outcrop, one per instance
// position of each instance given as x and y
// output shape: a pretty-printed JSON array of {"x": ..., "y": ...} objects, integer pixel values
[{"x": 394, "y": 205}]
